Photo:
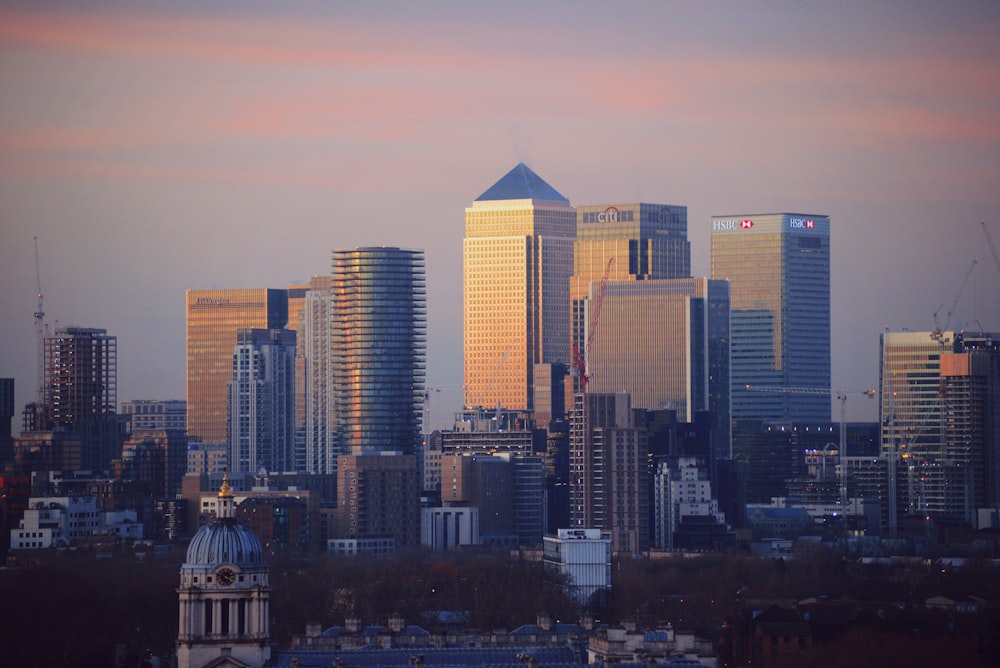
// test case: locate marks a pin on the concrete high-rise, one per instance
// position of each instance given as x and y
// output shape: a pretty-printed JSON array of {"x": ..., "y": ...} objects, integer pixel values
[
  {"x": 517, "y": 262},
  {"x": 317, "y": 383},
  {"x": 970, "y": 393},
  {"x": 214, "y": 317},
  {"x": 80, "y": 390},
  {"x": 378, "y": 347},
  {"x": 778, "y": 267},
  {"x": 609, "y": 481},
  {"x": 262, "y": 401},
  {"x": 940, "y": 417}
]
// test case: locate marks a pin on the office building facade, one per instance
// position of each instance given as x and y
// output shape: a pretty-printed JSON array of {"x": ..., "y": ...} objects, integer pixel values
[
  {"x": 214, "y": 317},
  {"x": 622, "y": 242},
  {"x": 378, "y": 347},
  {"x": 778, "y": 267},
  {"x": 665, "y": 343},
  {"x": 261, "y": 414},
  {"x": 517, "y": 263},
  {"x": 155, "y": 414}
]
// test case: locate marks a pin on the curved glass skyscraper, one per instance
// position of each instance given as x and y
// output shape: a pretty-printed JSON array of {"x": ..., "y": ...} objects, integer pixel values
[{"x": 378, "y": 347}]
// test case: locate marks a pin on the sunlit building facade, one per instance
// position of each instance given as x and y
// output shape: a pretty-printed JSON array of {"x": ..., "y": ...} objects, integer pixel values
[
  {"x": 378, "y": 347},
  {"x": 666, "y": 343},
  {"x": 778, "y": 267},
  {"x": 623, "y": 242},
  {"x": 517, "y": 263},
  {"x": 213, "y": 319}
]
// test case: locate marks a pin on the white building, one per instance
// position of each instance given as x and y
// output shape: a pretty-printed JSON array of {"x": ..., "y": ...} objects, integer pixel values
[
  {"x": 448, "y": 527},
  {"x": 59, "y": 520},
  {"x": 583, "y": 558},
  {"x": 683, "y": 491}
]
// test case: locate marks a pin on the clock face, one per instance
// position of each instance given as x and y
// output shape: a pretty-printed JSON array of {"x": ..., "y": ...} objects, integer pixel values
[{"x": 225, "y": 577}]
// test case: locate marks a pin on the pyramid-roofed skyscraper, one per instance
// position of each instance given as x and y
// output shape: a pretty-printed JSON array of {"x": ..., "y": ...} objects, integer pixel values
[{"x": 518, "y": 259}]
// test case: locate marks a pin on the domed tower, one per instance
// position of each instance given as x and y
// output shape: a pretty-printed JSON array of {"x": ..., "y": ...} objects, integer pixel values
[{"x": 223, "y": 595}]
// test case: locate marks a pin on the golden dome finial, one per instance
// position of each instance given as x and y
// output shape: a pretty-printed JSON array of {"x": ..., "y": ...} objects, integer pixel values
[{"x": 225, "y": 492}]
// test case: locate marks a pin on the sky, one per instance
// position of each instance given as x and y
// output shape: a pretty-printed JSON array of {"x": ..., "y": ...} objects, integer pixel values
[{"x": 158, "y": 147}]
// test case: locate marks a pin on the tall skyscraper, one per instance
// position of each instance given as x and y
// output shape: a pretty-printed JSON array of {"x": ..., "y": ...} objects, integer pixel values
[
  {"x": 262, "y": 401},
  {"x": 213, "y": 319},
  {"x": 320, "y": 412},
  {"x": 778, "y": 266},
  {"x": 378, "y": 347},
  {"x": 624, "y": 242},
  {"x": 518, "y": 259},
  {"x": 940, "y": 401},
  {"x": 970, "y": 393},
  {"x": 665, "y": 343},
  {"x": 80, "y": 390}
]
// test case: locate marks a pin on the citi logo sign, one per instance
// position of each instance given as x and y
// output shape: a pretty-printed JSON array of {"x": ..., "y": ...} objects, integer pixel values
[{"x": 609, "y": 215}]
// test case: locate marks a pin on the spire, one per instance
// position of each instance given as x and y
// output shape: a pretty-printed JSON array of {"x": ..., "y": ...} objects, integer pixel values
[
  {"x": 225, "y": 491},
  {"x": 227, "y": 507}
]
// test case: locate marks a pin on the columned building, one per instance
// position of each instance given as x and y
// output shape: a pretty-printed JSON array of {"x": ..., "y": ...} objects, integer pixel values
[
  {"x": 517, "y": 259},
  {"x": 778, "y": 267},
  {"x": 224, "y": 595}
]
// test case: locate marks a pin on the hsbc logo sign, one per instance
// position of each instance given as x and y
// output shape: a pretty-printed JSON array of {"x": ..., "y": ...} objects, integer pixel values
[
  {"x": 745, "y": 224},
  {"x": 801, "y": 223}
]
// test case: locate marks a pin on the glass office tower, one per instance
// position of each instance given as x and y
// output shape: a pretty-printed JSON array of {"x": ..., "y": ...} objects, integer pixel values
[
  {"x": 378, "y": 347},
  {"x": 778, "y": 266},
  {"x": 518, "y": 259},
  {"x": 666, "y": 343},
  {"x": 623, "y": 242},
  {"x": 214, "y": 317}
]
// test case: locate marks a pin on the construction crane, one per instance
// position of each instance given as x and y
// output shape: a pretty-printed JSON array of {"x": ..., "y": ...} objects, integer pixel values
[
  {"x": 842, "y": 398},
  {"x": 989, "y": 239},
  {"x": 580, "y": 357},
  {"x": 939, "y": 329},
  {"x": 39, "y": 332}
]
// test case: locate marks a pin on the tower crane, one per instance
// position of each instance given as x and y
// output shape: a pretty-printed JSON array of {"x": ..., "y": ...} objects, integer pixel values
[
  {"x": 939, "y": 329},
  {"x": 989, "y": 239},
  {"x": 842, "y": 398},
  {"x": 39, "y": 331},
  {"x": 580, "y": 357}
]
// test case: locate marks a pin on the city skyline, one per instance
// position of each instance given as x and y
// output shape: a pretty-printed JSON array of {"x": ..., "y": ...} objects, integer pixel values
[{"x": 154, "y": 151}]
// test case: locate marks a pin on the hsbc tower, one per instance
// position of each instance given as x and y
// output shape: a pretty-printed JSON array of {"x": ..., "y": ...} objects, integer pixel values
[{"x": 778, "y": 268}]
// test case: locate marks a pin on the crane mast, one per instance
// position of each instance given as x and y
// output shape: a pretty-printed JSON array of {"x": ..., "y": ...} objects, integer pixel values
[{"x": 39, "y": 331}]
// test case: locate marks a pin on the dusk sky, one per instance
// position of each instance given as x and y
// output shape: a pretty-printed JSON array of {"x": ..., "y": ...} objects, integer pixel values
[{"x": 157, "y": 147}]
